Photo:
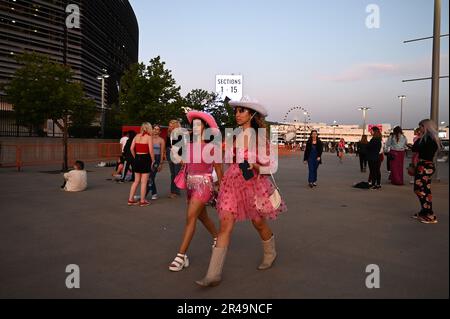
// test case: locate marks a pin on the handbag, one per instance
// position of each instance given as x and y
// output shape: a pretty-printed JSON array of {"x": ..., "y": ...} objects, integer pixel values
[
  {"x": 274, "y": 199},
  {"x": 180, "y": 179}
]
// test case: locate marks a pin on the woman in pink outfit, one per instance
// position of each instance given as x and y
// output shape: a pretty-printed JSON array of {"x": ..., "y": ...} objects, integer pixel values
[
  {"x": 200, "y": 186},
  {"x": 341, "y": 150},
  {"x": 240, "y": 187}
]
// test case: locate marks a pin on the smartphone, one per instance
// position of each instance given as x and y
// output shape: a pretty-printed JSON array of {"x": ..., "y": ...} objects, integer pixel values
[{"x": 248, "y": 174}]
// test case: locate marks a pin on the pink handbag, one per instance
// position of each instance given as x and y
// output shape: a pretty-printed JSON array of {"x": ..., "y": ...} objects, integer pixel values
[{"x": 180, "y": 179}]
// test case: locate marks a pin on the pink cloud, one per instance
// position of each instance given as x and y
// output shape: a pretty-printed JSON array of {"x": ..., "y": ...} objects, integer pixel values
[
  {"x": 370, "y": 71},
  {"x": 363, "y": 72}
]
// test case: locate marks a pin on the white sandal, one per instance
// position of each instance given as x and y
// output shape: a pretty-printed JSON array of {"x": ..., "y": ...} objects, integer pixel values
[
  {"x": 215, "y": 242},
  {"x": 180, "y": 262}
]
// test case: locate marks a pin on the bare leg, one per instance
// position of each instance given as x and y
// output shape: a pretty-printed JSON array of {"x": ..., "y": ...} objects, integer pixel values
[
  {"x": 134, "y": 186},
  {"x": 144, "y": 182},
  {"x": 207, "y": 222},
  {"x": 194, "y": 209},
  {"x": 226, "y": 228},
  {"x": 263, "y": 229}
]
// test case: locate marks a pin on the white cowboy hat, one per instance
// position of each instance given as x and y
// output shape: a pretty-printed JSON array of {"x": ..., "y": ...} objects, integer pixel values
[{"x": 251, "y": 104}]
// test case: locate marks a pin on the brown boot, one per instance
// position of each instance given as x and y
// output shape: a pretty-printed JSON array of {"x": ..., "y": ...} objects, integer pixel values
[
  {"x": 269, "y": 254},
  {"x": 214, "y": 274}
]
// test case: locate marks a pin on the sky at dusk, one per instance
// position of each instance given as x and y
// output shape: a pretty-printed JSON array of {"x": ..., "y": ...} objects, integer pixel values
[{"x": 319, "y": 55}]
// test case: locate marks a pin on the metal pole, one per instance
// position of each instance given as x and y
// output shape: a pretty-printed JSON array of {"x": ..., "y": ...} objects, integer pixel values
[
  {"x": 401, "y": 113},
  {"x": 364, "y": 121},
  {"x": 103, "y": 108},
  {"x": 434, "y": 115}
]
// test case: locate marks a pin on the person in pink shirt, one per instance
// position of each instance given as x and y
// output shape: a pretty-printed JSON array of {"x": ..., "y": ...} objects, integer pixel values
[
  {"x": 200, "y": 184},
  {"x": 245, "y": 190}
]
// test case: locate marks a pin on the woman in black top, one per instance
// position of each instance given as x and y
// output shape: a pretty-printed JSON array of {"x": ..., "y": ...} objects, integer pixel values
[
  {"x": 313, "y": 157},
  {"x": 427, "y": 146},
  {"x": 362, "y": 153},
  {"x": 373, "y": 156}
]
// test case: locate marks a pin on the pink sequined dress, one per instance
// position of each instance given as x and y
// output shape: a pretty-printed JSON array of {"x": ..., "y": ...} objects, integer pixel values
[
  {"x": 199, "y": 178},
  {"x": 238, "y": 196}
]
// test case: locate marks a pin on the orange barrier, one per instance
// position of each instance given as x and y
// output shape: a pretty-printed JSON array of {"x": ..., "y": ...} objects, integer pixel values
[
  {"x": 284, "y": 151},
  {"x": 22, "y": 155}
]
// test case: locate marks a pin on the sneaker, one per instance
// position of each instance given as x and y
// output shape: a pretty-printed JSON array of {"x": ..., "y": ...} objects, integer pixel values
[
  {"x": 429, "y": 219},
  {"x": 155, "y": 197},
  {"x": 133, "y": 203},
  {"x": 144, "y": 204},
  {"x": 315, "y": 184}
]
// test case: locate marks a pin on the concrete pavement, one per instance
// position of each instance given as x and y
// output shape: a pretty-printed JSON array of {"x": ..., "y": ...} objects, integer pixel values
[{"x": 325, "y": 240}]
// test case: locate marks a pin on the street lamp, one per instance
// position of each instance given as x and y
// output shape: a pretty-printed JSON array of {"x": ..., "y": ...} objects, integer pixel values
[
  {"x": 306, "y": 118},
  {"x": 364, "y": 109},
  {"x": 334, "y": 131},
  {"x": 102, "y": 78},
  {"x": 401, "y": 98}
]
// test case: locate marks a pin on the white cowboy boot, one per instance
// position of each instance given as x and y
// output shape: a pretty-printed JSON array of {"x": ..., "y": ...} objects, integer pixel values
[
  {"x": 214, "y": 274},
  {"x": 269, "y": 254}
]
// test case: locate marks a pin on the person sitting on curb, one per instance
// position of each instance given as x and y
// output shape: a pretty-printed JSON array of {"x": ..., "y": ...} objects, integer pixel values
[{"x": 75, "y": 180}]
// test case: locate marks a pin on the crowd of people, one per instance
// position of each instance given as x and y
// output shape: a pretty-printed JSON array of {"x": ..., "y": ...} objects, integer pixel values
[{"x": 241, "y": 191}]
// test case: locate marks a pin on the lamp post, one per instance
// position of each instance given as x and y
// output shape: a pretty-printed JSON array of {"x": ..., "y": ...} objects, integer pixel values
[
  {"x": 306, "y": 118},
  {"x": 102, "y": 78},
  {"x": 334, "y": 131},
  {"x": 364, "y": 109},
  {"x": 401, "y": 98}
]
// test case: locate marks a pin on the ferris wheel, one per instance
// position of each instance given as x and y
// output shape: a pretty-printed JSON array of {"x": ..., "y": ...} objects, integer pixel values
[
  {"x": 297, "y": 115},
  {"x": 297, "y": 118}
]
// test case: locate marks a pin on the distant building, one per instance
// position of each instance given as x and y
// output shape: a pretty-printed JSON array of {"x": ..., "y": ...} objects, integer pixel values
[
  {"x": 331, "y": 133},
  {"x": 107, "y": 38}
]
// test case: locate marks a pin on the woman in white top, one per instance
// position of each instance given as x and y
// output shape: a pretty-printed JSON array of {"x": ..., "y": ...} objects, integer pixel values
[{"x": 397, "y": 145}]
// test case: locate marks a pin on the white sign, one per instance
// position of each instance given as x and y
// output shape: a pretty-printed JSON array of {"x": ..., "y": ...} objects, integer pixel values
[{"x": 229, "y": 86}]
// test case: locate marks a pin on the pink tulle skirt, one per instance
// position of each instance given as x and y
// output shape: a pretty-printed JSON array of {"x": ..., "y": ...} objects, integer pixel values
[{"x": 237, "y": 196}]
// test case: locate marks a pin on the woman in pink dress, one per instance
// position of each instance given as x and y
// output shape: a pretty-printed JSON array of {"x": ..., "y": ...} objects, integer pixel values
[
  {"x": 200, "y": 186},
  {"x": 240, "y": 187},
  {"x": 341, "y": 150}
]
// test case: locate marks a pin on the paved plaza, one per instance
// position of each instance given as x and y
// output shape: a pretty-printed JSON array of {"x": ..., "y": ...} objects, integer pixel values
[{"x": 325, "y": 241}]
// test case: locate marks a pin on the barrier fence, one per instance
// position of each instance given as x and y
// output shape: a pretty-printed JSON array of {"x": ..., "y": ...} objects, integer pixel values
[{"x": 21, "y": 155}]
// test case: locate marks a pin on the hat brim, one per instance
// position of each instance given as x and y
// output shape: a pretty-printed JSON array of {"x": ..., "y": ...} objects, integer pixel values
[
  {"x": 250, "y": 105},
  {"x": 192, "y": 115}
]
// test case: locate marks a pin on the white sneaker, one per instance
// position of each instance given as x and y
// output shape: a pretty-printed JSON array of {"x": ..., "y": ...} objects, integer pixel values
[{"x": 155, "y": 197}]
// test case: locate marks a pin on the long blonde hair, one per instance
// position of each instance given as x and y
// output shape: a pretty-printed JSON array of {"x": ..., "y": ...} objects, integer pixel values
[
  {"x": 430, "y": 131},
  {"x": 146, "y": 128}
]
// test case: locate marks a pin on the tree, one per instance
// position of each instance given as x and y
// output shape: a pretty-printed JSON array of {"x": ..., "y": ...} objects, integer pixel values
[
  {"x": 149, "y": 94},
  {"x": 209, "y": 102},
  {"x": 42, "y": 89}
]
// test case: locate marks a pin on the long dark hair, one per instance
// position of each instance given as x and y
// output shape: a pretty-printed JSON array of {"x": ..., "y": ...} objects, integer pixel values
[
  {"x": 311, "y": 137},
  {"x": 397, "y": 132},
  {"x": 208, "y": 139},
  {"x": 377, "y": 133}
]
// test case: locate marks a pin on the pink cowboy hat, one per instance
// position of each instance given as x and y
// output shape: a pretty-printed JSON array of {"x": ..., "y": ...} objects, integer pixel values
[{"x": 192, "y": 115}]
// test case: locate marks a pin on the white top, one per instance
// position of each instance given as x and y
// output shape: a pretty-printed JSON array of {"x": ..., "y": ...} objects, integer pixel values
[
  {"x": 76, "y": 181},
  {"x": 393, "y": 145},
  {"x": 123, "y": 141}
]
